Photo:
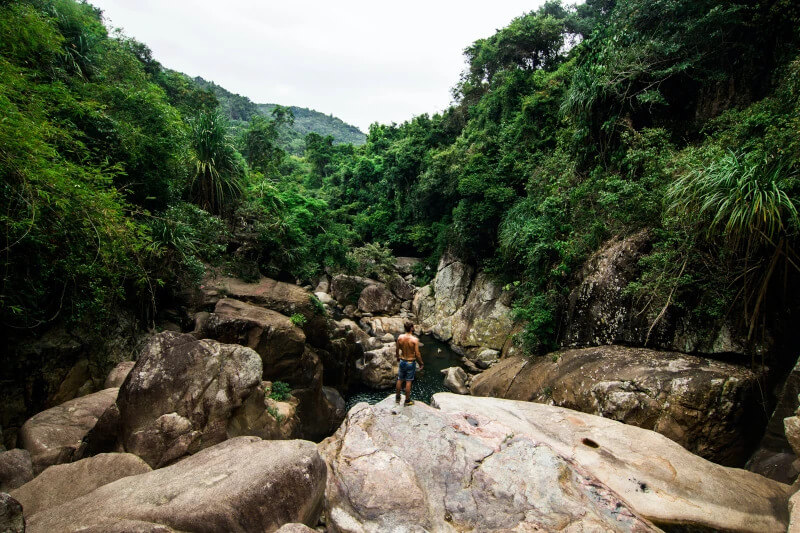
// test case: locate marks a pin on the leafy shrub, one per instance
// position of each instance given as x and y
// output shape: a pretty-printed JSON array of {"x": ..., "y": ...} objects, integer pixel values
[
  {"x": 298, "y": 320},
  {"x": 279, "y": 391}
]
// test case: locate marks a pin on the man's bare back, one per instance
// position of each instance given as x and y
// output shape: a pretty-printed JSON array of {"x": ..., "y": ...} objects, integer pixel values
[{"x": 408, "y": 348}]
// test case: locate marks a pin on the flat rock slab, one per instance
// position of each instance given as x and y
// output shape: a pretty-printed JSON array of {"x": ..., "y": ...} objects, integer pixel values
[
  {"x": 426, "y": 470},
  {"x": 241, "y": 485},
  {"x": 656, "y": 477},
  {"x": 53, "y": 436},
  {"x": 709, "y": 407},
  {"x": 62, "y": 483}
]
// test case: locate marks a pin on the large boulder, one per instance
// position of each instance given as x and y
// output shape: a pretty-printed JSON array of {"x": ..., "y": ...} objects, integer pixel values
[
  {"x": 400, "y": 287},
  {"x": 272, "y": 335},
  {"x": 484, "y": 464},
  {"x": 285, "y": 298},
  {"x": 405, "y": 265},
  {"x": 347, "y": 289},
  {"x": 704, "y": 405},
  {"x": 16, "y": 469},
  {"x": 378, "y": 299},
  {"x": 378, "y": 369},
  {"x": 11, "y": 517},
  {"x": 378, "y": 326},
  {"x": 266, "y": 418},
  {"x": 455, "y": 380},
  {"x": 659, "y": 479},
  {"x": 181, "y": 394},
  {"x": 62, "y": 483},
  {"x": 55, "y": 435},
  {"x": 243, "y": 484}
]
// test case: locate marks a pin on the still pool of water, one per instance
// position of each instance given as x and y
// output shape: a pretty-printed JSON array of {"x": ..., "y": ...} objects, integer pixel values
[{"x": 436, "y": 355}]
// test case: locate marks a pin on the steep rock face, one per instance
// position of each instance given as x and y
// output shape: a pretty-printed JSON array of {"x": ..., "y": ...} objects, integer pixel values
[
  {"x": 181, "y": 395},
  {"x": 54, "y": 436},
  {"x": 472, "y": 314},
  {"x": 707, "y": 406},
  {"x": 775, "y": 457},
  {"x": 486, "y": 464},
  {"x": 657, "y": 478},
  {"x": 601, "y": 312},
  {"x": 272, "y": 335},
  {"x": 62, "y": 483},
  {"x": 243, "y": 484}
]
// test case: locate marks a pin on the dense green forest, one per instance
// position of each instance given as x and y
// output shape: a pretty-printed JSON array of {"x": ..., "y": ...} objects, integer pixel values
[
  {"x": 291, "y": 134},
  {"x": 121, "y": 179}
]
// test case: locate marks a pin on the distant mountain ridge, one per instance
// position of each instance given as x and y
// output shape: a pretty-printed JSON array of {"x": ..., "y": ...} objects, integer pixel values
[{"x": 239, "y": 109}]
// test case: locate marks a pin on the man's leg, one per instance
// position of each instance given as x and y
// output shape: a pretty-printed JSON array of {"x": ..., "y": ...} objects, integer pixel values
[
  {"x": 397, "y": 394},
  {"x": 408, "y": 390}
]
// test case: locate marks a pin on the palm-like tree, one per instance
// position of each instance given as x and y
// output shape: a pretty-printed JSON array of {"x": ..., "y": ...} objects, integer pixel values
[{"x": 218, "y": 170}]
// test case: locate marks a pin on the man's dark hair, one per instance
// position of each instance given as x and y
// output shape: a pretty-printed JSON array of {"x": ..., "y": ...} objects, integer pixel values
[{"x": 408, "y": 325}]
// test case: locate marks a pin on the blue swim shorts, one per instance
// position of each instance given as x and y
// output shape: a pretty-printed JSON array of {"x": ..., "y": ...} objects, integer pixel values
[{"x": 407, "y": 370}]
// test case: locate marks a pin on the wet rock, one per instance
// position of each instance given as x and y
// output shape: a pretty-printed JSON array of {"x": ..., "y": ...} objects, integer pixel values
[
  {"x": 378, "y": 299},
  {"x": 53, "y": 436},
  {"x": 243, "y": 484},
  {"x": 427, "y": 470},
  {"x": 181, "y": 395},
  {"x": 455, "y": 380},
  {"x": 62, "y": 483},
  {"x": 118, "y": 374},
  {"x": 705, "y": 405},
  {"x": 11, "y": 518},
  {"x": 16, "y": 469},
  {"x": 272, "y": 335}
]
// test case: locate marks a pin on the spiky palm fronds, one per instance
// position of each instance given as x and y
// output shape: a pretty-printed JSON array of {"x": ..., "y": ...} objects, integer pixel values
[{"x": 218, "y": 172}]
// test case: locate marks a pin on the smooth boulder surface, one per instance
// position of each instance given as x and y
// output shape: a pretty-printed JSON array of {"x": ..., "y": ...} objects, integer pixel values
[
  {"x": 62, "y": 483},
  {"x": 272, "y": 335},
  {"x": 11, "y": 517},
  {"x": 180, "y": 396},
  {"x": 55, "y": 435},
  {"x": 427, "y": 470},
  {"x": 707, "y": 406},
  {"x": 16, "y": 469},
  {"x": 118, "y": 374},
  {"x": 378, "y": 299},
  {"x": 659, "y": 479},
  {"x": 241, "y": 485}
]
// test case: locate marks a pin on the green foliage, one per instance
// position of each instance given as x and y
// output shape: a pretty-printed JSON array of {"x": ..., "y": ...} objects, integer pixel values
[
  {"x": 373, "y": 260},
  {"x": 319, "y": 307},
  {"x": 219, "y": 172},
  {"x": 279, "y": 391},
  {"x": 298, "y": 320}
]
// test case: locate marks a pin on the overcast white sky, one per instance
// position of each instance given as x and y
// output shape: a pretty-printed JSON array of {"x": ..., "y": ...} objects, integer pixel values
[{"x": 362, "y": 61}]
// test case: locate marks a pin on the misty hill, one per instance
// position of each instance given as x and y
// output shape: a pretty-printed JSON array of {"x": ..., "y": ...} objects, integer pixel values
[{"x": 291, "y": 138}]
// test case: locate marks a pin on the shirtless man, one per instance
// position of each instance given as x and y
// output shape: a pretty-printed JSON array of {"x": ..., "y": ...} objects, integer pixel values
[{"x": 407, "y": 352}]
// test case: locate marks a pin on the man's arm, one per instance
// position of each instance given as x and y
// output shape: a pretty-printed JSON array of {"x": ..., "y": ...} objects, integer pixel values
[
  {"x": 397, "y": 349},
  {"x": 417, "y": 354}
]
